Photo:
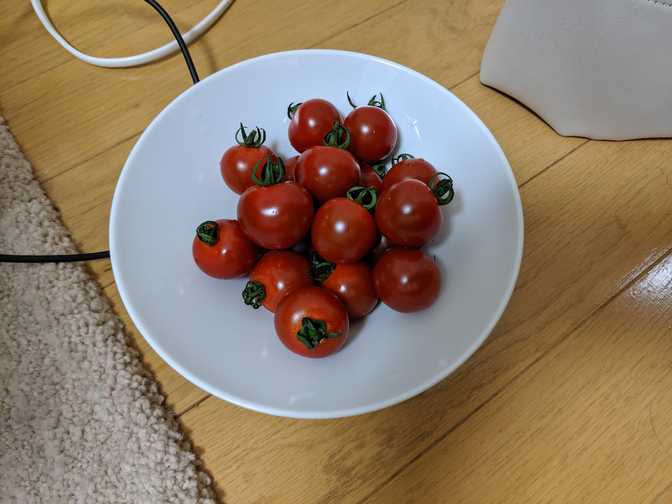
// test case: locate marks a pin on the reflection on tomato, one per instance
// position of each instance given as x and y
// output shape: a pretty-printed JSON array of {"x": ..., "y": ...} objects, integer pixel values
[
  {"x": 327, "y": 172},
  {"x": 373, "y": 133},
  {"x": 407, "y": 280},
  {"x": 310, "y": 122},
  {"x": 406, "y": 166},
  {"x": 343, "y": 231},
  {"x": 408, "y": 214},
  {"x": 222, "y": 250},
  {"x": 277, "y": 216}
]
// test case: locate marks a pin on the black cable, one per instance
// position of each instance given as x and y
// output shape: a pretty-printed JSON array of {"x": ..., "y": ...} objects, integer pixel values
[
  {"x": 105, "y": 254},
  {"x": 178, "y": 36}
]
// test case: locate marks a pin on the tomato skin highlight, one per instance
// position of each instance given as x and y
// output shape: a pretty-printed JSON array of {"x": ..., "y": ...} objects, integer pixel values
[
  {"x": 317, "y": 304},
  {"x": 238, "y": 162},
  {"x": 373, "y": 134},
  {"x": 414, "y": 168},
  {"x": 311, "y": 121},
  {"x": 276, "y": 216},
  {"x": 280, "y": 272},
  {"x": 327, "y": 172},
  {"x": 353, "y": 284},
  {"x": 343, "y": 231},
  {"x": 408, "y": 214},
  {"x": 231, "y": 256},
  {"x": 407, "y": 280}
]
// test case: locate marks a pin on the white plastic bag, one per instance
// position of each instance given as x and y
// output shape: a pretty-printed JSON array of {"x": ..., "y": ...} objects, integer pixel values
[{"x": 594, "y": 68}]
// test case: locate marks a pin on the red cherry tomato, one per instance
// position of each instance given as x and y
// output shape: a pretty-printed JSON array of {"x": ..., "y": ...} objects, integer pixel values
[
  {"x": 369, "y": 178},
  {"x": 312, "y": 322},
  {"x": 238, "y": 161},
  {"x": 343, "y": 231},
  {"x": 406, "y": 166},
  {"x": 373, "y": 134},
  {"x": 353, "y": 284},
  {"x": 407, "y": 280},
  {"x": 290, "y": 167},
  {"x": 327, "y": 172},
  {"x": 222, "y": 250},
  {"x": 276, "y": 215},
  {"x": 408, "y": 214},
  {"x": 310, "y": 122},
  {"x": 277, "y": 273}
]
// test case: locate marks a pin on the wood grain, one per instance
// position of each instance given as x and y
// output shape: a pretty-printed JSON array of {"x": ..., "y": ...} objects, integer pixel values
[
  {"x": 590, "y": 422},
  {"x": 567, "y": 402},
  {"x": 530, "y": 145},
  {"x": 592, "y": 223},
  {"x": 87, "y": 211}
]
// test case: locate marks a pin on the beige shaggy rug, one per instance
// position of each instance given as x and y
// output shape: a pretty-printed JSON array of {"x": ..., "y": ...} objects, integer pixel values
[{"x": 81, "y": 421}]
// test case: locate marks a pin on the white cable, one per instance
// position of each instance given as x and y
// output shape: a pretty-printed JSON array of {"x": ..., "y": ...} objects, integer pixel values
[{"x": 138, "y": 59}]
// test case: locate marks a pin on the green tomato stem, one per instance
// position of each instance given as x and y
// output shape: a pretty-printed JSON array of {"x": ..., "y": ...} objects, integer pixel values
[
  {"x": 365, "y": 196},
  {"x": 441, "y": 185},
  {"x": 313, "y": 332},
  {"x": 254, "y": 294},
  {"x": 208, "y": 232}
]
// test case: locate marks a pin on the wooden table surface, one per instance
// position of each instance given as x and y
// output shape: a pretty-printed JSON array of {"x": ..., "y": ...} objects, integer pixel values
[{"x": 570, "y": 399}]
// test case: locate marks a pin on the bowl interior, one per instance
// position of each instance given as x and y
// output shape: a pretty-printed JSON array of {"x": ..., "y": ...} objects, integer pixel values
[{"x": 171, "y": 183}]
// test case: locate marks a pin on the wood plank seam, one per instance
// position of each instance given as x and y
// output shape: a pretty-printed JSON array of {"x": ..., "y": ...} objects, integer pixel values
[
  {"x": 195, "y": 405},
  {"x": 544, "y": 170},
  {"x": 355, "y": 25},
  {"x": 632, "y": 282}
]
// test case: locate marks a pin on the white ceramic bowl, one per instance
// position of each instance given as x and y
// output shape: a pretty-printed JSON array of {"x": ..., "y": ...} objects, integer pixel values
[{"x": 171, "y": 183}]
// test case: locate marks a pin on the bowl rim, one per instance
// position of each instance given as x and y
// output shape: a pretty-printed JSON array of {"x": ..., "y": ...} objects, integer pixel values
[{"x": 318, "y": 414}]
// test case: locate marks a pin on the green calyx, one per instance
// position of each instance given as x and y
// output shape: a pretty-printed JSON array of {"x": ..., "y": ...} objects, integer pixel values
[
  {"x": 208, "y": 232},
  {"x": 375, "y": 102},
  {"x": 292, "y": 108},
  {"x": 365, "y": 196},
  {"x": 402, "y": 157},
  {"x": 380, "y": 169},
  {"x": 254, "y": 294},
  {"x": 320, "y": 269},
  {"x": 338, "y": 137},
  {"x": 313, "y": 332},
  {"x": 352, "y": 104},
  {"x": 270, "y": 173},
  {"x": 442, "y": 186},
  {"x": 255, "y": 138}
]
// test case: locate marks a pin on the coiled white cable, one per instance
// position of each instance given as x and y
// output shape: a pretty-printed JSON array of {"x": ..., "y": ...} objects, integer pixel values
[{"x": 138, "y": 59}]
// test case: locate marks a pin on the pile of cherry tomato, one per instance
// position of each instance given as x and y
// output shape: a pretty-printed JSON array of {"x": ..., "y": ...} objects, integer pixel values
[{"x": 326, "y": 234}]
